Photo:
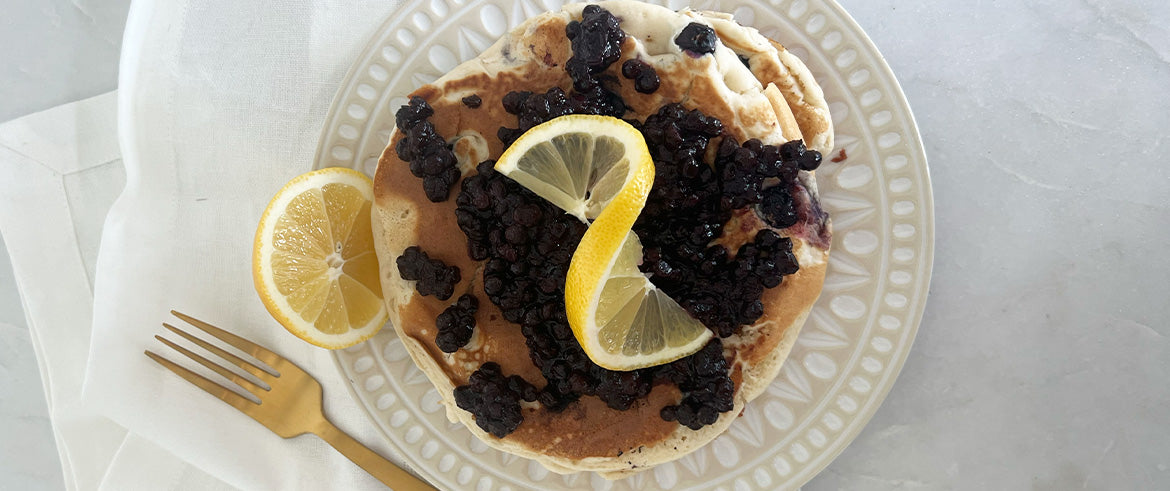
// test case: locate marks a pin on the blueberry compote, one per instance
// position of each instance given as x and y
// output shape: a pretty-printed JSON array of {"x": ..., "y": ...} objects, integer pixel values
[
  {"x": 527, "y": 243},
  {"x": 430, "y": 156},
  {"x": 456, "y": 324},
  {"x": 431, "y": 276},
  {"x": 494, "y": 399}
]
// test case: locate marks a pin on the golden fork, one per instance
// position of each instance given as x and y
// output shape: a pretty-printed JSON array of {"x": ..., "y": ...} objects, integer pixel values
[{"x": 290, "y": 399}]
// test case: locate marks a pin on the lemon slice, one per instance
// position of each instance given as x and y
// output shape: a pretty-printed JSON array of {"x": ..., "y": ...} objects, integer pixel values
[
  {"x": 599, "y": 167},
  {"x": 313, "y": 260},
  {"x": 577, "y": 162},
  {"x": 620, "y": 318}
]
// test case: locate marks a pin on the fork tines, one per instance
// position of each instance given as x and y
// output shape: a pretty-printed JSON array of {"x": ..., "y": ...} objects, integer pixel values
[{"x": 260, "y": 376}]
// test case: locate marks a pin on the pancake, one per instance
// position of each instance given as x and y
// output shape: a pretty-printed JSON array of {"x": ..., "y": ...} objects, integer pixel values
[{"x": 756, "y": 88}]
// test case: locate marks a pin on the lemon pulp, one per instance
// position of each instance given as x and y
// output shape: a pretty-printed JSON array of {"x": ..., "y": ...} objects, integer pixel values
[{"x": 313, "y": 260}]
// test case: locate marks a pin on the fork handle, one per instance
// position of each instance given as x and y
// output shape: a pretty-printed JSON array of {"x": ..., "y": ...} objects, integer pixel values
[{"x": 378, "y": 466}]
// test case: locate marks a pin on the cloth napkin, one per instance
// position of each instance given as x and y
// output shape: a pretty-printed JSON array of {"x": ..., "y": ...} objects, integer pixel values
[
  {"x": 220, "y": 103},
  {"x": 60, "y": 170}
]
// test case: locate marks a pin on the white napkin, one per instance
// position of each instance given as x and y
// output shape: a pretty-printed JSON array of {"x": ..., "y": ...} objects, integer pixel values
[
  {"x": 140, "y": 464},
  {"x": 220, "y": 103},
  {"x": 61, "y": 170}
]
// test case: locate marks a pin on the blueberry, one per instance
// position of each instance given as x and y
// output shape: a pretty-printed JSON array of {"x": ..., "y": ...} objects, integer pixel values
[
  {"x": 431, "y": 276},
  {"x": 473, "y": 101},
  {"x": 425, "y": 151},
  {"x": 456, "y": 324},
  {"x": 644, "y": 76},
  {"x": 699, "y": 39},
  {"x": 494, "y": 399},
  {"x": 777, "y": 207}
]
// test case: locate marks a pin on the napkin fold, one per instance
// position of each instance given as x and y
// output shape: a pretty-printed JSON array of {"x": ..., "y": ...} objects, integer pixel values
[{"x": 220, "y": 103}]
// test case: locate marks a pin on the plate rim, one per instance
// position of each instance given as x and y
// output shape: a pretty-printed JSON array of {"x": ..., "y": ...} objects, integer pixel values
[
  {"x": 916, "y": 312},
  {"x": 916, "y": 146}
]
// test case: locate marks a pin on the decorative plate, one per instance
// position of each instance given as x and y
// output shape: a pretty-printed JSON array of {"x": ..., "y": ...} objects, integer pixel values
[{"x": 858, "y": 333}]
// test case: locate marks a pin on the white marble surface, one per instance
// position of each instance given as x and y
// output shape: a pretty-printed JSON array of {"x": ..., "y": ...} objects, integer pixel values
[
  {"x": 1043, "y": 357},
  {"x": 57, "y": 51}
]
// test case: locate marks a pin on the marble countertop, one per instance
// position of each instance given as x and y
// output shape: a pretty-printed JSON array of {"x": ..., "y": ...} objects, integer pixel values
[{"x": 1043, "y": 356}]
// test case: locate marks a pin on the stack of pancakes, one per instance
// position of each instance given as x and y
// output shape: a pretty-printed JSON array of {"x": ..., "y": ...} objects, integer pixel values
[{"x": 750, "y": 83}]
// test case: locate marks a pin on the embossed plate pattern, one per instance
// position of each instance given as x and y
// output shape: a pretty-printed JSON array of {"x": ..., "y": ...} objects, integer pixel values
[{"x": 855, "y": 340}]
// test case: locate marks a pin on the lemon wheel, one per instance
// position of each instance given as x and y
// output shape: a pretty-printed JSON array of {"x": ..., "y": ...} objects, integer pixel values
[{"x": 313, "y": 260}]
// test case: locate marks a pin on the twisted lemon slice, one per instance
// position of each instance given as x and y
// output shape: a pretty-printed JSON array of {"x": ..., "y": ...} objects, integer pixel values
[{"x": 599, "y": 167}]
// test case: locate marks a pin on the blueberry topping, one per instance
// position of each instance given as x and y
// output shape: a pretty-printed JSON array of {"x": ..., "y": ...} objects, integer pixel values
[
  {"x": 687, "y": 208},
  {"x": 596, "y": 43},
  {"x": 644, "y": 76},
  {"x": 429, "y": 155},
  {"x": 494, "y": 399},
  {"x": 456, "y": 324},
  {"x": 698, "y": 39},
  {"x": 707, "y": 390},
  {"x": 432, "y": 276},
  {"x": 778, "y": 208},
  {"x": 526, "y": 243},
  {"x": 473, "y": 101}
]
